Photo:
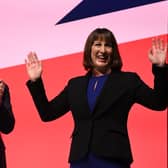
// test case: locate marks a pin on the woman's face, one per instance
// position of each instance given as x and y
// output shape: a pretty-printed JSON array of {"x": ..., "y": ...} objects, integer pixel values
[{"x": 101, "y": 53}]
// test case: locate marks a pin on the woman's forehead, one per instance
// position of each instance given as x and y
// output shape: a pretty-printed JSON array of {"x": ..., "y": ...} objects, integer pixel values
[{"x": 102, "y": 37}]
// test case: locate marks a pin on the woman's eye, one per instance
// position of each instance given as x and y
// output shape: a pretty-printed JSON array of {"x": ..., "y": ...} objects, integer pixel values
[
  {"x": 97, "y": 44},
  {"x": 109, "y": 45}
]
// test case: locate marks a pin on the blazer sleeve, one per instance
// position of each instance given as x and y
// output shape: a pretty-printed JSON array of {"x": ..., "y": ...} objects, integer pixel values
[
  {"x": 7, "y": 120},
  {"x": 48, "y": 110},
  {"x": 155, "y": 98}
]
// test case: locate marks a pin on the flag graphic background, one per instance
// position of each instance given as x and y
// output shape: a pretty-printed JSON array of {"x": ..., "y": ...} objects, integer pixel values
[{"x": 52, "y": 30}]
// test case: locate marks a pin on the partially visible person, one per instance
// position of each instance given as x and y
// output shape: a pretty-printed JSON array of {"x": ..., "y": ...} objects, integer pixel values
[
  {"x": 7, "y": 120},
  {"x": 100, "y": 100}
]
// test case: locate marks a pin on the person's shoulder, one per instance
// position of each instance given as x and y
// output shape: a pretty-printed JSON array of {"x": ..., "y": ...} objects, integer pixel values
[
  {"x": 129, "y": 77},
  {"x": 128, "y": 74},
  {"x": 77, "y": 78}
]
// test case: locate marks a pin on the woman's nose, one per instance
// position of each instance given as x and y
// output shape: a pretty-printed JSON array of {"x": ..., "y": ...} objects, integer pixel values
[{"x": 102, "y": 49}]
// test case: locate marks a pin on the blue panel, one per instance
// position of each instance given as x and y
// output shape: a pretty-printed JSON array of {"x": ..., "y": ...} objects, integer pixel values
[{"x": 89, "y": 8}]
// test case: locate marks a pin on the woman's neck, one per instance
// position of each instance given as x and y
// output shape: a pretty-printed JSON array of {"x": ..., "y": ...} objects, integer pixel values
[{"x": 97, "y": 72}]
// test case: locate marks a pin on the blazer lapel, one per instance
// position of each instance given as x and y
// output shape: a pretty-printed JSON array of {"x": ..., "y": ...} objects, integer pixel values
[
  {"x": 111, "y": 92},
  {"x": 82, "y": 91}
]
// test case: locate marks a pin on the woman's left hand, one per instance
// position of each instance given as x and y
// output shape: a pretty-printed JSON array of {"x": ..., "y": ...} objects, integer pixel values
[{"x": 158, "y": 52}]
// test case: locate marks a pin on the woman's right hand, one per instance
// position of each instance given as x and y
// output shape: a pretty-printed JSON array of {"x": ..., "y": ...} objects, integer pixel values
[{"x": 33, "y": 66}]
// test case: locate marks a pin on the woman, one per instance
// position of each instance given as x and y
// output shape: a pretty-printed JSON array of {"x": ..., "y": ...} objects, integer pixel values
[
  {"x": 100, "y": 100},
  {"x": 7, "y": 120}
]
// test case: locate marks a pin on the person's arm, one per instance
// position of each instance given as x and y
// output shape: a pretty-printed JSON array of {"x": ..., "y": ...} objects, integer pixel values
[
  {"x": 158, "y": 56},
  {"x": 48, "y": 110},
  {"x": 7, "y": 120},
  {"x": 155, "y": 98}
]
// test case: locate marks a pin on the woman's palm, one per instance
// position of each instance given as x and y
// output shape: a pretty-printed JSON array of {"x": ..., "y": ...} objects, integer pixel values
[
  {"x": 33, "y": 66},
  {"x": 158, "y": 52}
]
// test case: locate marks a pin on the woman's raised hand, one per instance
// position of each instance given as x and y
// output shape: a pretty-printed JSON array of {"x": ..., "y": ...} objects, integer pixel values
[
  {"x": 33, "y": 66},
  {"x": 158, "y": 52}
]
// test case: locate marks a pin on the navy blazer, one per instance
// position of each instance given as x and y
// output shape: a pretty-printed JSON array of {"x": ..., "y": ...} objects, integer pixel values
[{"x": 104, "y": 131}]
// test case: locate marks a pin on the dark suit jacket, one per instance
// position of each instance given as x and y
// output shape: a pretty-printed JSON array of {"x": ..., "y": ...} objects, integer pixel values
[
  {"x": 104, "y": 131},
  {"x": 7, "y": 122}
]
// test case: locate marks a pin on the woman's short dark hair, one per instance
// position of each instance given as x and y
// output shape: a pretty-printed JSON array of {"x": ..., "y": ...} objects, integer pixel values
[{"x": 107, "y": 35}]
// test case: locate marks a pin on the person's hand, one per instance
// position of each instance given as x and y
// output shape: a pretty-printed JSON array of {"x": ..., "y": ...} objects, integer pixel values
[
  {"x": 158, "y": 52},
  {"x": 2, "y": 88},
  {"x": 33, "y": 66}
]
